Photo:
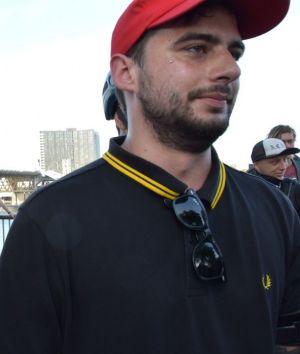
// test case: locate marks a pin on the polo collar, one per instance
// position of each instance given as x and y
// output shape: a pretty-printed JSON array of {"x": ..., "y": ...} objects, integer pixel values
[{"x": 161, "y": 182}]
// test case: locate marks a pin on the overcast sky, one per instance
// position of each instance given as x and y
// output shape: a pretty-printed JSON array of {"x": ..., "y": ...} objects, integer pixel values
[{"x": 54, "y": 57}]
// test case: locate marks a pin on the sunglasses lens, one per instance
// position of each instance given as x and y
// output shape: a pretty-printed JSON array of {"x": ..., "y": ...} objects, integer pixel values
[
  {"x": 187, "y": 211},
  {"x": 207, "y": 258},
  {"x": 207, "y": 261}
]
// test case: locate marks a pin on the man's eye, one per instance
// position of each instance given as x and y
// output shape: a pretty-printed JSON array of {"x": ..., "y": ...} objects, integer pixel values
[
  {"x": 236, "y": 55},
  {"x": 198, "y": 49}
]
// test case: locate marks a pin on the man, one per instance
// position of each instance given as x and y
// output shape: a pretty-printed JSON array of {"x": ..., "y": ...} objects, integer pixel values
[
  {"x": 288, "y": 135},
  {"x": 270, "y": 160},
  {"x": 177, "y": 253},
  {"x": 112, "y": 109}
]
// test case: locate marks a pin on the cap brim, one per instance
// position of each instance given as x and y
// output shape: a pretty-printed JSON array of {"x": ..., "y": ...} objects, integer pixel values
[
  {"x": 289, "y": 151},
  {"x": 258, "y": 17},
  {"x": 254, "y": 17}
]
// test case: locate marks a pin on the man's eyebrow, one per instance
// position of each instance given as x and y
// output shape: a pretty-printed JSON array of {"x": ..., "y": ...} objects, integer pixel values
[{"x": 190, "y": 36}]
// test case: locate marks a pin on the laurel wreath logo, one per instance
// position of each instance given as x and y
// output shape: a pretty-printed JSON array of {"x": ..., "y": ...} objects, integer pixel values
[{"x": 266, "y": 281}]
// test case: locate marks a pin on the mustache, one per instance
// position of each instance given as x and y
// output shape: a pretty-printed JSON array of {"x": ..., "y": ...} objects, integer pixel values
[{"x": 224, "y": 90}]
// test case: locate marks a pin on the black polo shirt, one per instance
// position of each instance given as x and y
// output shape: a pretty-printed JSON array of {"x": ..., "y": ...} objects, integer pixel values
[{"x": 98, "y": 263}]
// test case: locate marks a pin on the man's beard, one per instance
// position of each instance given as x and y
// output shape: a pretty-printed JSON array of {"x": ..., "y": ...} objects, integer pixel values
[{"x": 175, "y": 123}]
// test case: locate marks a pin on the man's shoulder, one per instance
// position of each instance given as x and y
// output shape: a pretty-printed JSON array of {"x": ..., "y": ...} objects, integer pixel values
[
  {"x": 71, "y": 183},
  {"x": 259, "y": 193},
  {"x": 252, "y": 185},
  {"x": 247, "y": 177}
]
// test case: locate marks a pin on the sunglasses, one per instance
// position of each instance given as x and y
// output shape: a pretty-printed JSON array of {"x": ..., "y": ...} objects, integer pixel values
[{"x": 207, "y": 258}]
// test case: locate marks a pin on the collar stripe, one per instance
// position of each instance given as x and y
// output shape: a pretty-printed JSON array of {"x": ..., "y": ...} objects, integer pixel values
[
  {"x": 221, "y": 186},
  {"x": 156, "y": 187},
  {"x": 139, "y": 177}
]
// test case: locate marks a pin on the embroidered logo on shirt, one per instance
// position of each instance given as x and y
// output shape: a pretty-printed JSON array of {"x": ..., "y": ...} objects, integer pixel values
[{"x": 266, "y": 281}]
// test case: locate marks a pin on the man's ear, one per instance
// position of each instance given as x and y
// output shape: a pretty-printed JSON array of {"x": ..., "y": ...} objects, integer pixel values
[{"x": 123, "y": 72}]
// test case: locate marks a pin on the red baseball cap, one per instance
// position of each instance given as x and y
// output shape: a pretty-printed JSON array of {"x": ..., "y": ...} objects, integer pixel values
[{"x": 254, "y": 17}]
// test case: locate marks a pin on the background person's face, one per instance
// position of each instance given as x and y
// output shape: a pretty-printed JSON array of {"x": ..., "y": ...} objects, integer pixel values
[
  {"x": 288, "y": 139},
  {"x": 273, "y": 167}
]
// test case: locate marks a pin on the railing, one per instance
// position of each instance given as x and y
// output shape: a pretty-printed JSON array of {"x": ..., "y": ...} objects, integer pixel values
[{"x": 5, "y": 223}]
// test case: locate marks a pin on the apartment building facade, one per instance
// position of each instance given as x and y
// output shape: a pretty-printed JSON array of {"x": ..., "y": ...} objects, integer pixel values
[{"x": 63, "y": 151}]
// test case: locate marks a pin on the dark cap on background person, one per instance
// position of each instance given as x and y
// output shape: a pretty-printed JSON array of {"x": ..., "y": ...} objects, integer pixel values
[
  {"x": 254, "y": 18},
  {"x": 270, "y": 148}
]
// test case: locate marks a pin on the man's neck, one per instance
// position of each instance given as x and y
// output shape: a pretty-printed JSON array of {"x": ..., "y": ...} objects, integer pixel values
[{"x": 191, "y": 169}]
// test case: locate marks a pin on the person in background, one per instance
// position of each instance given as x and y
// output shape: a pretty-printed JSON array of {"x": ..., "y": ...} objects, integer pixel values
[
  {"x": 177, "y": 252},
  {"x": 288, "y": 135},
  {"x": 112, "y": 108},
  {"x": 270, "y": 161}
]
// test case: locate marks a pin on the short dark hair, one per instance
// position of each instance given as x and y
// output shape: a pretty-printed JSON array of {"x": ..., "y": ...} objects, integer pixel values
[
  {"x": 136, "y": 53},
  {"x": 280, "y": 129}
]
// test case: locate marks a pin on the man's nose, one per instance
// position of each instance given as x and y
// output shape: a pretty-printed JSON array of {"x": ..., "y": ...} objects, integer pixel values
[
  {"x": 225, "y": 68},
  {"x": 283, "y": 164}
]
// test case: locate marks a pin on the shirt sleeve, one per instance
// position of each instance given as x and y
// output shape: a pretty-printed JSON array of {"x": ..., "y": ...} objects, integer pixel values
[
  {"x": 291, "y": 299},
  {"x": 297, "y": 197},
  {"x": 31, "y": 292}
]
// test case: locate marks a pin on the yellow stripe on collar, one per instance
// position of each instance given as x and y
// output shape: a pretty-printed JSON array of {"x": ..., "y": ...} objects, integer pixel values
[
  {"x": 221, "y": 186},
  {"x": 139, "y": 177},
  {"x": 157, "y": 187}
]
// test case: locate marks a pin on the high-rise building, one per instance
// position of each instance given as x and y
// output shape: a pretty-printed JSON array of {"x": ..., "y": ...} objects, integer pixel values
[{"x": 63, "y": 151}]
